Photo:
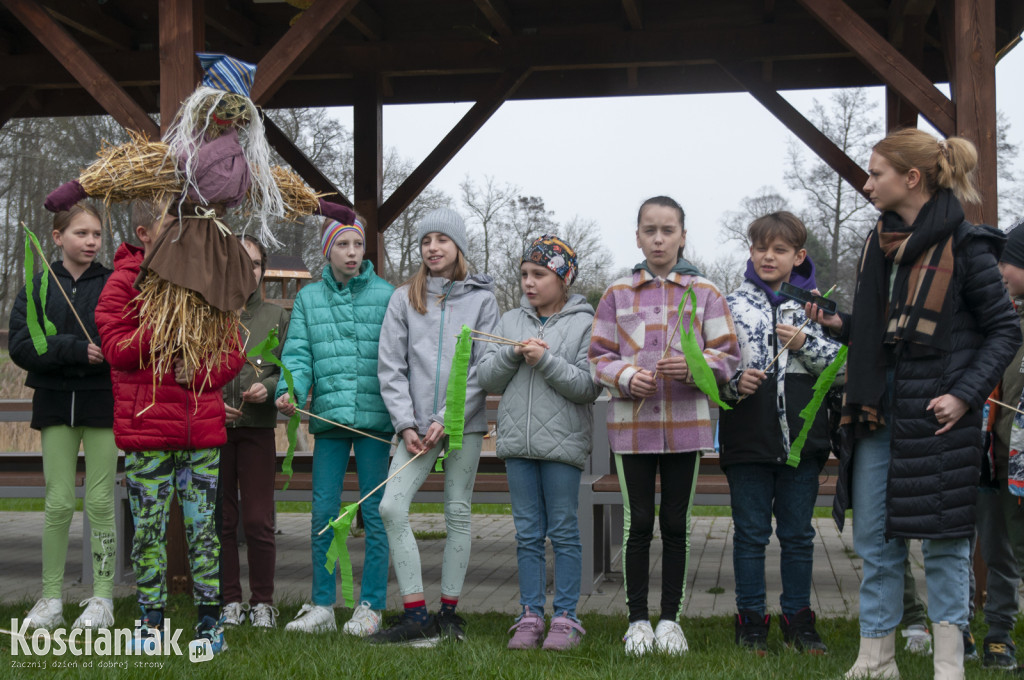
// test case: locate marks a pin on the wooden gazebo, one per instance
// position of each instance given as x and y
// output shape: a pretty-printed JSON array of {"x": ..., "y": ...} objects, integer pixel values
[{"x": 131, "y": 58}]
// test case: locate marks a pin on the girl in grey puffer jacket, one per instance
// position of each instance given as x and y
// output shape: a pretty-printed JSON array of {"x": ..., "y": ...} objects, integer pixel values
[{"x": 544, "y": 433}]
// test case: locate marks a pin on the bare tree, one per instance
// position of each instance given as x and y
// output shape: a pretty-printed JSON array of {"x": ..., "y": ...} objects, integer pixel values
[
  {"x": 735, "y": 222},
  {"x": 1011, "y": 187}
]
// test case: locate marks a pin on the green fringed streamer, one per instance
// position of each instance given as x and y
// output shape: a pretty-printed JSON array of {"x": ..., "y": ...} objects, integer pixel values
[
  {"x": 701, "y": 373},
  {"x": 265, "y": 352},
  {"x": 338, "y": 551},
  {"x": 36, "y": 332},
  {"x": 809, "y": 412},
  {"x": 455, "y": 396}
]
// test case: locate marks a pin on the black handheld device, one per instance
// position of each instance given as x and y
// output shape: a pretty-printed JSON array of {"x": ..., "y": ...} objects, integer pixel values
[{"x": 805, "y": 296}]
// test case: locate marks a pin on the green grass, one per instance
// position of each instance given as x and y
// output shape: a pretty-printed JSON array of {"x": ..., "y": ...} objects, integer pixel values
[{"x": 274, "y": 654}]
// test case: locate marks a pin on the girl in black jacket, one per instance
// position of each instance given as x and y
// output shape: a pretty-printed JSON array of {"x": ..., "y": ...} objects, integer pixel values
[
  {"x": 72, "y": 404},
  {"x": 930, "y": 333}
]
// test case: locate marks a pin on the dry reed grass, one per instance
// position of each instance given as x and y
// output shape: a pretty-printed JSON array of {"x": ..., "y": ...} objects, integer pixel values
[{"x": 15, "y": 436}]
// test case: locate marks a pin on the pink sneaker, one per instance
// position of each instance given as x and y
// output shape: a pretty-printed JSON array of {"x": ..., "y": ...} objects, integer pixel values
[
  {"x": 565, "y": 633},
  {"x": 529, "y": 630}
]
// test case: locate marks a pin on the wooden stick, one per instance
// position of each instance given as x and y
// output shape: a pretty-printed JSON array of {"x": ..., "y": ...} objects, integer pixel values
[
  {"x": 360, "y": 501},
  {"x": 794, "y": 334},
  {"x": 42, "y": 256},
  {"x": 346, "y": 427},
  {"x": 496, "y": 337},
  {"x": 499, "y": 342},
  {"x": 668, "y": 348},
  {"x": 999, "y": 403}
]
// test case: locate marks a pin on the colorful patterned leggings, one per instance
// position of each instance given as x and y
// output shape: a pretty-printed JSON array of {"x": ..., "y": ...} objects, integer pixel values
[{"x": 151, "y": 477}]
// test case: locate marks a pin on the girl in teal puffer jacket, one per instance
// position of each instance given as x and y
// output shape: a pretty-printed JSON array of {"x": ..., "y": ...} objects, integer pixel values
[{"x": 332, "y": 349}]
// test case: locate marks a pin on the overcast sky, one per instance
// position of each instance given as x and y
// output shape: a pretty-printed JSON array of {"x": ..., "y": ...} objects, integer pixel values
[{"x": 600, "y": 158}]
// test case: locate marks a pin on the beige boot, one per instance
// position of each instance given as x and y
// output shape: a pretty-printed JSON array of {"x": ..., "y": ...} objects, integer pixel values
[
  {"x": 949, "y": 651},
  {"x": 876, "y": 659}
]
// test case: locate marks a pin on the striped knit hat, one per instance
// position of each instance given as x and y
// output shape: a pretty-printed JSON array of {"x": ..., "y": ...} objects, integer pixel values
[
  {"x": 334, "y": 229},
  {"x": 222, "y": 72}
]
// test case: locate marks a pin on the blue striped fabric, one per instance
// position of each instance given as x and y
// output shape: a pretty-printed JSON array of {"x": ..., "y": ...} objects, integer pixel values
[{"x": 227, "y": 73}]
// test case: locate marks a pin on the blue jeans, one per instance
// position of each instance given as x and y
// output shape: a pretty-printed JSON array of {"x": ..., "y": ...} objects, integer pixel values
[
  {"x": 544, "y": 496},
  {"x": 757, "y": 491},
  {"x": 330, "y": 459},
  {"x": 946, "y": 561}
]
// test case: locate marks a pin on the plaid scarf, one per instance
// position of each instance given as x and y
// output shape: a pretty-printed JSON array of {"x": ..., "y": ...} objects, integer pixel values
[{"x": 907, "y": 319}]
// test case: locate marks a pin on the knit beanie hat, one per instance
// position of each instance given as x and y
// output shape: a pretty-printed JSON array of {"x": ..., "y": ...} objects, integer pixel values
[
  {"x": 1013, "y": 251},
  {"x": 555, "y": 254},
  {"x": 334, "y": 229},
  {"x": 444, "y": 221}
]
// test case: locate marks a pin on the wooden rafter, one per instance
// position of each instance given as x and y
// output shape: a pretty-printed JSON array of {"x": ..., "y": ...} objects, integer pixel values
[
  {"x": 92, "y": 23},
  {"x": 446, "y": 149},
  {"x": 312, "y": 28},
  {"x": 82, "y": 66},
  {"x": 366, "y": 21},
  {"x": 497, "y": 15},
  {"x": 301, "y": 163},
  {"x": 804, "y": 129},
  {"x": 882, "y": 58},
  {"x": 234, "y": 25},
  {"x": 14, "y": 101},
  {"x": 634, "y": 15}
]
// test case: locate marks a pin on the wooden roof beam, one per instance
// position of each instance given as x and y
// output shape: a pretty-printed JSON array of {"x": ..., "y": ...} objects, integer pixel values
[
  {"x": 181, "y": 27},
  {"x": 92, "y": 23},
  {"x": 301, "y": 163},
  {"x": 15, "y": 100},
  {"x": 232, "y": 24},
  {"x": 634, "y": 14},
  {"x": 82, "y": 66},
  {"x": 804, "y": 129},
  {"x": 452, "y": 143},
  {"x": 312, "y": 28},
  {"x": 882, "y": 58},
  {"x": 497, "y": 15},
  {"x": 366, "y": 21}
]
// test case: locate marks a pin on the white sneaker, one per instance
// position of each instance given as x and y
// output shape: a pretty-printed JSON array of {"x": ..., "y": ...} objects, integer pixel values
[
  {"x": 313, "y": 619},
  {"x": 98, "y": 614},
  {"x": 46, "y": 613},
  {"x": 919, "y": 640},
  {"x": 669, "y": 638},
  {"x": 639, "y": 638},
  {"x": 233, "y": 614},
  {"x": 265, "y": 616},
  {"x": 365, "y": 621}
]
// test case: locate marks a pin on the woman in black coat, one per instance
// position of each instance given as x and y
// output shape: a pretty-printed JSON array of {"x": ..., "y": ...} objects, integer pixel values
[{"x": 930, "y": 334}]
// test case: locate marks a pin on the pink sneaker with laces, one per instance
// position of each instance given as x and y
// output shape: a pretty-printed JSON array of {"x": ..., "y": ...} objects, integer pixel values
[
  {"x": 529, "y": 630},
  {"x": 565, "y": 633}
]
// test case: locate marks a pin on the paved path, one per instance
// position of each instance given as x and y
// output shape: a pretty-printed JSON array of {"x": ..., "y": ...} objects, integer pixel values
[{"x": 491, "y": 583}]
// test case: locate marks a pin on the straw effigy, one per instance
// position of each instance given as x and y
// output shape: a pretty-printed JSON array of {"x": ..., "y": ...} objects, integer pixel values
[{"x": 299, "y": 199}]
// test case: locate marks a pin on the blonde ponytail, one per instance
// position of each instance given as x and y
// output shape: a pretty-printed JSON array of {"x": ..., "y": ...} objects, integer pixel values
[{"x": 943, "y": 163}]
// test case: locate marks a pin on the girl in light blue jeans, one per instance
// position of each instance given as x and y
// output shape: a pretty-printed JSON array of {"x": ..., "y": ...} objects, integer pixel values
[{"x": 544, "y": 434}]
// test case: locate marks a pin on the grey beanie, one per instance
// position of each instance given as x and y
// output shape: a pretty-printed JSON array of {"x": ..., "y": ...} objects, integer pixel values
[{"x": 444, "y": 221}]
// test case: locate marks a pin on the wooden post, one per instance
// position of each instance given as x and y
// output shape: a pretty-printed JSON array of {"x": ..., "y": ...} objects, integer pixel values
[
  {"x": 181, "y": 36},
  {"x": 974, "y": 94},
  {"x": 368, "y": 134}
]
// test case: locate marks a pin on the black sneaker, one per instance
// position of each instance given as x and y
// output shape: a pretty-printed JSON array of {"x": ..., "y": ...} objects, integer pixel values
[
  {"x": 405, "y": 630},
  {"x": 452, "y": 626},
  {"x": 1000, "y": 654},
  {"x": 798, "y": 630},
  {"x": 752, "y": 631},
  {"x": 970, "y": 649}
]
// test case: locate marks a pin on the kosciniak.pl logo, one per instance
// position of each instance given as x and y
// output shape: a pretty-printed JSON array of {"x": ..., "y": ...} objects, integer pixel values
[{"x": 104, "y": 642}]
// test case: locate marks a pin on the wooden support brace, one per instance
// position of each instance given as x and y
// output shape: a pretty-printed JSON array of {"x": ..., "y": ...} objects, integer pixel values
[
  {"x": 885, "y": 60},
  {"x": 804, "y": 129},
  {"x": 90, "y": 22},
  {"x": 497, "y": 15},
  {"x": 301, "y": 163},
  {"x": 368, "y": 133},
  {"x": 312, "y": 28},
  {"x": 81, "y": 65},
  {"x": 446, "y": 149},
  {"x": 181, "y": 33}
]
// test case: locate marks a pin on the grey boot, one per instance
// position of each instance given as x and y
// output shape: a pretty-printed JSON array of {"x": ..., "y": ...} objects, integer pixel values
[
  {"x": 949, "y": 651},
  {"x": 876, "y": 659}
]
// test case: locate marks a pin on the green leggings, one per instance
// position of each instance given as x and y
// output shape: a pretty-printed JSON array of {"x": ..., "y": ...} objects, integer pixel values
[{"x": 60, "y": 461}]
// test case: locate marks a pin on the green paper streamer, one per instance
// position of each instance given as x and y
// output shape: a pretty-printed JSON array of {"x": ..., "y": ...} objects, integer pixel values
[
  {"x": 455, "y": 396},
  {"x": 809, "y": 412},
  {"x": 36, "y": 332},
  {"x": 265, "y": 352},
  {"x": 338, "y": 551},
  {"x": 701, "y": 373}
]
